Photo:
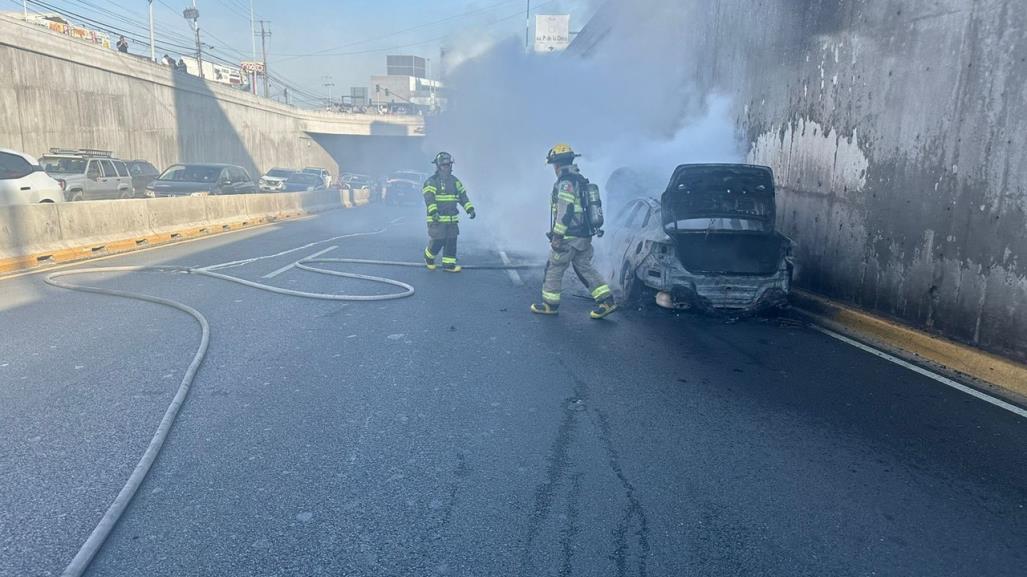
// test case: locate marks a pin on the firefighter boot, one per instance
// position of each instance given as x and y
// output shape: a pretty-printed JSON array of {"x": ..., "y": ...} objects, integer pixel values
[
  {"x": 603, "y": 309},
  {"x": 429, "y": 259},
  {"x": 449, "y": 264},
  {"x": 545, "y": 309}
]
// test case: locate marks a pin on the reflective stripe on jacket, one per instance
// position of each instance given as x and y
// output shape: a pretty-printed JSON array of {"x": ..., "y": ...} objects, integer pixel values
[{"x": 443, "y": 195}]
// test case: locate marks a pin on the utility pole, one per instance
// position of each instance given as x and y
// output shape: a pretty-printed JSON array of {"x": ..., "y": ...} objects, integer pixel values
[
  {"x": 253, "y": 32},
  {"x": 193, "y": 15},
  {"x": 24, "y": 9},
  {"x": 327, "y": 80},
  {"x": 527, "y": 28},
  {"x": 264, "y": 34},
  {"x": 153, "y": 45}
]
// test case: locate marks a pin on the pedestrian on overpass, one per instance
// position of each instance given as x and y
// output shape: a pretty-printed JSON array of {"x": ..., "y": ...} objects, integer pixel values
[
  {"x": 570, "y": 238},
  {"x": 443, "y": 195}
]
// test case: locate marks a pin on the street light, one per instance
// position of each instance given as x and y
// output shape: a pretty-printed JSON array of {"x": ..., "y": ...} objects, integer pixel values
[{"x": 193, "y": 15}]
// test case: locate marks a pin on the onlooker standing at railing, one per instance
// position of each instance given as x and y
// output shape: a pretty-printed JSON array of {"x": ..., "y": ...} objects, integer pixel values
[{"x": 123, "y": 45}]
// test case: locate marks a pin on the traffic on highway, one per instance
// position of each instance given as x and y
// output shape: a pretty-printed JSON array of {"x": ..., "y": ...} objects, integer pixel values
[{"x": 614, "y": 288}]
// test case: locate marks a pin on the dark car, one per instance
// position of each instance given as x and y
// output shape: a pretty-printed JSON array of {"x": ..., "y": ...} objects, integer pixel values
[
  {"x": 142, "y": 173},
  {"x": 303, "y": 182},
  {"x": 187, "y": 179},
  {"x": 404, "y": 187},
  {"x": 708, "y": 242}
]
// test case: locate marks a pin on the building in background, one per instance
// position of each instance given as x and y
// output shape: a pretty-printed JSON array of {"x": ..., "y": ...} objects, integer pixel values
[
  {"x": 552, "y": 32},
  {"x": 218, "y": 73},
  {"x": 57, "y": 23},
  {"x": 407, "y": 88},
  {"x": 406, "y": 66}
]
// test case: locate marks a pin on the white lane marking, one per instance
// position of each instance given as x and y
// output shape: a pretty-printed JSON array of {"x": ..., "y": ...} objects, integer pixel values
[
  {"x": 236, "y": 263},
  {"x": 514, "y": 276},
  {"x": 290, "y": 266},
  {"x": 929, "y": 374},
  {"x": 397, "y": 220}
]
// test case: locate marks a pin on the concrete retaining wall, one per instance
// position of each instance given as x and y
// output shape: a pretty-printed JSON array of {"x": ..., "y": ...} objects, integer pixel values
[
  {"x": 897, "y": 131},
  {"x": 33, "y": 232},
  {"x": 59, "y": 92}
]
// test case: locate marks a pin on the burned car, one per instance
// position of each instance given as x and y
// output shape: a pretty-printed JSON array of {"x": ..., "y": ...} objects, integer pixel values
[{"x": 708, "y": 243}]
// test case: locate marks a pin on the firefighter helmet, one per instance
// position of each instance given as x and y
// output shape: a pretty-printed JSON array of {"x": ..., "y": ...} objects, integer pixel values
[
  {"x": 561, "y": 154},
  {"x": 443, "y": 158}
]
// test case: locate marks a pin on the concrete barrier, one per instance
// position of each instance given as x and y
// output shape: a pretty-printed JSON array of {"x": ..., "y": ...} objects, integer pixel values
[
  {"x": 27, "y": 230},
  {"x": 35, "y": 235},
  {"x": 225, "y": 209},
  {"x": 100, "y": 222},
  {"x": 168, "y": 215},
  {"x": 361, "y": 196}
]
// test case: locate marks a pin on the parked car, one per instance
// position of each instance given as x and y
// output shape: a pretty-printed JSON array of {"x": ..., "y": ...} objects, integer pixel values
[
  {"x": 142, "y": 173},
  {"x": 274, "y": 180},
  {"x": 23, "y": 181},
  {"x": 303, "y": 182},
  {"x": 708, "y": 243},
  {"x": 352, "y": 181},
  {"x": 404, "y": 186},
  {"x": 322, "y": 172},
  {"x": 188, "y": 179},
  {"x": 89, "y": 174}
]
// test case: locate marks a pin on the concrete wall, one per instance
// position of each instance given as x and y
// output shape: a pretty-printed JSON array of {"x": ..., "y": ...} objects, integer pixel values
[
  {"x": 59, "y": 92},
  {"x": 898, "y": 133}
]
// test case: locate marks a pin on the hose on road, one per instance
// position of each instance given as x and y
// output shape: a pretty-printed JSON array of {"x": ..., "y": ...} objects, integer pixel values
[{"x": 88, "y": 551}]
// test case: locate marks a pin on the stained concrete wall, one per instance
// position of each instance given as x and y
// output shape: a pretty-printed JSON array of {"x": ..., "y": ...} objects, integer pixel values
[
  {"x": 897, "y": 130},
  {"x": 60, "y": 92}
]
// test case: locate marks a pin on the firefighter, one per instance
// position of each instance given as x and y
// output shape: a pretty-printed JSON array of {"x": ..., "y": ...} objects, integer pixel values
[
  {"x": 570, "y": 238},
  {"x": 443, "y": 193}
]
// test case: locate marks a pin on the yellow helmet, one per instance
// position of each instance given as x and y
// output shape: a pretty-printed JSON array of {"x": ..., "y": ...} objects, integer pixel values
[{"x": 561, "y": 154}]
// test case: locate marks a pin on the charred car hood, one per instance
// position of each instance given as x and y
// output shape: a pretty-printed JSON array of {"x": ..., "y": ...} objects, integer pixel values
[{"x": 719, "y": 197}]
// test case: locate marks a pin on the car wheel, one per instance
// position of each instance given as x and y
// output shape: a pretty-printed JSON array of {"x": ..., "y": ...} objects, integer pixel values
[
  {"x": 76, "y": 196},
  {"x": 126, "y": 194}
]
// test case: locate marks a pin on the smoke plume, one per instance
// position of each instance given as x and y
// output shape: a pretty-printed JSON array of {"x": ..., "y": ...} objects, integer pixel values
[{"x": 629, "y": 103}]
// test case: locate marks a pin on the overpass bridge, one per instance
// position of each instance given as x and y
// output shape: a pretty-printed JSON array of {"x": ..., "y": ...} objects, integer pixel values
[{"x": 62, "y": 92}]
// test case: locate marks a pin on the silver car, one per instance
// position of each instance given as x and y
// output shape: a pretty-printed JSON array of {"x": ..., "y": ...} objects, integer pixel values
[
  {"x": 89, "y": 174},
  {"x": 708, "y": 243}
]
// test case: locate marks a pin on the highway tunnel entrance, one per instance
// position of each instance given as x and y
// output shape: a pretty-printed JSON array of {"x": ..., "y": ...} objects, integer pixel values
[{"x": 377, "y": 155}]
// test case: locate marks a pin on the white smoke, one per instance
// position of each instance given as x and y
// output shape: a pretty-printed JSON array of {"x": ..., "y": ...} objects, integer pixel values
[{"x": 627, "y": 104}]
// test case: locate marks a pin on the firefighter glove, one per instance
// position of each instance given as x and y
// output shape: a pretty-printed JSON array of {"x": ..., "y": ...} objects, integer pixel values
[{"x": 471, "y": 214}]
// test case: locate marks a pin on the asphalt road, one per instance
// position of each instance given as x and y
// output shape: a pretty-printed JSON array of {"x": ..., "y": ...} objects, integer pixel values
[{"x": 454, "y": 433}]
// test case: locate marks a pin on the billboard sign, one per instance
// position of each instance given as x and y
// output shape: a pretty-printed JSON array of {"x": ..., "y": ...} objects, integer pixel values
[
  {"x": 252, "y": 67},
  {"x": 552, "y": 32}
]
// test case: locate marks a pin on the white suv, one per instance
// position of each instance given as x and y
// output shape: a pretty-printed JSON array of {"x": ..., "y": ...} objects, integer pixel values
[{"x": 22, "y": 180}]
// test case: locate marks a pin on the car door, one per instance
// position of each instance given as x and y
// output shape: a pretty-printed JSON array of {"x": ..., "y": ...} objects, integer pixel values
[
  {"x": 108, "y": 182},
  {"x": 124, "y": 180},
  {"x": 625, "y": 230},
  {"x": 93, "y": 186},
  {"x": 246, "y": 183},
  {"x": 224, "y": 182}
]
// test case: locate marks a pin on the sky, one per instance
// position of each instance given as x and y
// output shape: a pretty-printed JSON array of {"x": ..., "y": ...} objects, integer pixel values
[{"x": 344, "y": 39}]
